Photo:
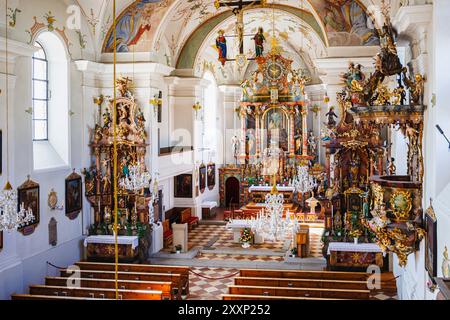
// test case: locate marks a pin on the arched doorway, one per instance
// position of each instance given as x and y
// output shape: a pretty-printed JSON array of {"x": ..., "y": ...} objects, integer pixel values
[{"x": 232, "y": 192}]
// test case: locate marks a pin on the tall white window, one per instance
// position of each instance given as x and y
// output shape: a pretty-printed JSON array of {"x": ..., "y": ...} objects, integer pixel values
[
  {"x": 40, "y": 95},
  {"x": 50, "y": 87},
  {"x": 210, "y": 122}
]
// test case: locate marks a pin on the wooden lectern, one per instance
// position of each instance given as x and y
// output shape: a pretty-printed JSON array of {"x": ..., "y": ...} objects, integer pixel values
[{"x": 303, "y": 242}]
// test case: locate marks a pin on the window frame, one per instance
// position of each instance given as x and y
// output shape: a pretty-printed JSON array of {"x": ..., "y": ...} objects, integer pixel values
[{"x": 47, "y": 95}]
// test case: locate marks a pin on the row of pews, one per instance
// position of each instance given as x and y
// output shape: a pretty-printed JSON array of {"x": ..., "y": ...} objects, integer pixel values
[
  {"x": 255, "y": 284},
  {"x": 93, "y": 281}
]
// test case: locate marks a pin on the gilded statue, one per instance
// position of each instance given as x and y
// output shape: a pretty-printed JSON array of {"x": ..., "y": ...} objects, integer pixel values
[
  {"x": 391, "y": 167},
  {"x": 416, "y": 87},
  {"x": 446, "y": 265}
]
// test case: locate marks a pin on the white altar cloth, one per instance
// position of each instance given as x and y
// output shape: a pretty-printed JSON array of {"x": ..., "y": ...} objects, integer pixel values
[
  {"x": 209, "y": 205},
  {"x": 269, "y": 188},
  {"x": 237, "y": 226},
  {"x": 122, "y": 240},
  {"x": 352, "y": 247}
]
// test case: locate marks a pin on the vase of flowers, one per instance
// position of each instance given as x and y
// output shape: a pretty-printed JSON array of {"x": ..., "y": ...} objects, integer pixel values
[
  {"x": 355, "y": 234},
  {"x": 246, "y": 238}
]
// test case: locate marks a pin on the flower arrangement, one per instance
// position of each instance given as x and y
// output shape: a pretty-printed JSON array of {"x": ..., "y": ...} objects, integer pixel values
[{"x": 246, "y": 236}]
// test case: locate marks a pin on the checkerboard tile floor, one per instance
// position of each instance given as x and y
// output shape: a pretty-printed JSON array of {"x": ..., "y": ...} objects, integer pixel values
[
  {"x": 236, "y": 257},
  {"x": 207, "y": 289}
]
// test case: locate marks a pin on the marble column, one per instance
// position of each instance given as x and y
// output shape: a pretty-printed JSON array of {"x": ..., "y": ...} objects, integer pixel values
[{"x": 305, "y": 131}]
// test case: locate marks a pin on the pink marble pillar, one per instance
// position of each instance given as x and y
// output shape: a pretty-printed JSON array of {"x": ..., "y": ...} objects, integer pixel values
[
  {"x": 305, "y": 131},
  {"x": 258, "y": 132},
  {"x": 292, "y": 134}
]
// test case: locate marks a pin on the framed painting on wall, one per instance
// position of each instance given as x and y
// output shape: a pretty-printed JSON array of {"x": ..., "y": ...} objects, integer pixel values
[
  {"x": 202, "y": 177},
  {"x": 431, "y": 242},
  {"x": 74, "y": 200},
  {"x": 183, "y": 186},
  {"x": 211, "y": 176},
  {"x": 28, "y": 197}
]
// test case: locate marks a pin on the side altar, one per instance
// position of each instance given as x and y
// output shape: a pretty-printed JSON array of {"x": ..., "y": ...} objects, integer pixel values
[{"x": 126, "y": 140}]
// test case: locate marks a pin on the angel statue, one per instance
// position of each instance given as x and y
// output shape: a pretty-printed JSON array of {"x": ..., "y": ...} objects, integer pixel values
[{"x": 416, "y": 87}]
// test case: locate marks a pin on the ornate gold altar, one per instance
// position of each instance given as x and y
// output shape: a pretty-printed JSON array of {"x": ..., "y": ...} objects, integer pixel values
[
  {"x": 99, "y": 178},
  {"x": 274, "y": 110}
]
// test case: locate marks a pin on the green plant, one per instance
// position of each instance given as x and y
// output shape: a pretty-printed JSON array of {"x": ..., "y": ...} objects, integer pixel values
[
  {"x": 178, "y": 247},
  {"x": 294, "y": 251}
]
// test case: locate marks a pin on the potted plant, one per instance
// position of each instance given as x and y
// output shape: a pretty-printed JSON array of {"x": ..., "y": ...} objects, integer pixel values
[
  {"x": 246, "y": 238},
  {"x": 178, "y": 248},
  {"x": 294, "y": 252}
]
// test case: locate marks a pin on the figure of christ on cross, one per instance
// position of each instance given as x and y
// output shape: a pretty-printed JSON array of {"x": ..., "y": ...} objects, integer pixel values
[{"x": 238, "y": 7}]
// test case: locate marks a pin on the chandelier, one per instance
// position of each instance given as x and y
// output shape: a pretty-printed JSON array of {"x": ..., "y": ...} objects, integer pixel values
[
  {"x": 137, "y": 179},
  {"x": 271, "y": 223},
  {"x": 10, "y": 219},
  {"x": 303, "y": 182}
]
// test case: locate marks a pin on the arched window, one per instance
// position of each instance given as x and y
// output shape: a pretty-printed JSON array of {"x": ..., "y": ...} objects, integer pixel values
[
  {"x": 40, "y": 95},
  {"x": 210, "y": 120},
  {"x": 50, "y": 96}
]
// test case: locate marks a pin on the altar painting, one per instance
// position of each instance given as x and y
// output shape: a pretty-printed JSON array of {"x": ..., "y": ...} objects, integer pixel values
[{"x": 276, "y": 124}]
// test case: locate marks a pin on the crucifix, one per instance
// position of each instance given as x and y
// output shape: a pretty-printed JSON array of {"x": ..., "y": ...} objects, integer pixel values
[{"x": 238, "y": 7}]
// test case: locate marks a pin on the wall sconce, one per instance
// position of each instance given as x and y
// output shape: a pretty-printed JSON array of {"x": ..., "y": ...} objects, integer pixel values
[
  {"x": 326, "y": 99},
  {"x": 197, "y": 107},
  {"x": 442, "y": 132}
]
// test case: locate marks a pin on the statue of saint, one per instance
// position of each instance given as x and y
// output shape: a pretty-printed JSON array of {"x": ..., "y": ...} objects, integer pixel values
[
  {"x": 298, "y": 142},
  {"x": 259, "y": 42},
  {"x": 331, "y": 118},
  {"x": 221, "y": 45},
  {"x": 235, "y": 143}
]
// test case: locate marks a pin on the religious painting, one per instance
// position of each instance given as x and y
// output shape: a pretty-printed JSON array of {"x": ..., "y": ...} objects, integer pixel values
[
  {"x": 136, "y": 26},
  {"x": 1, "y": 152},
  {"x": 354, "y": 200},
  {"x": 346, "y": 23},
  {"x": 28, "y": 198},
  {"x": 431, "y": 242},
  {"x": 277, "y": 125},
  {"x": 211, "y": 176},
  {"x": 202, "y": 178},
  {"x": 74, "y": 201},
  {"x": 183, "y": 186}
]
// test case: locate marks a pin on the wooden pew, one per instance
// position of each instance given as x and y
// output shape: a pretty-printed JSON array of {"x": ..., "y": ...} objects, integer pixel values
[
  {"x": 300, "y": 292},
  {"x": 300, "y": 274},
  {"x": 38, "y": 297},
  {"x": 300, "y": 283},
  {"x": 175, "y": 279},
  {"x": 248, "y": 297},
  {"x": 183, "y": 271},
  {"x": 95, "y": 293},
  {"x": 164, "y": 287}
]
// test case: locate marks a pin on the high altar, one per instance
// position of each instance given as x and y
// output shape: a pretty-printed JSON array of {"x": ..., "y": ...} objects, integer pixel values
[{"x": 274, "y": 135}]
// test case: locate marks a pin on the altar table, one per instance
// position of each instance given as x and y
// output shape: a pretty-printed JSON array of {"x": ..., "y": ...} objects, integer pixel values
[
  {"x": 351, "y": 255},
  {"x": 102, "y": 248},
  {"x": 237, "y": 226},
  {"x": 269, "y": 188},
  {"x": 207, "y": 208}
]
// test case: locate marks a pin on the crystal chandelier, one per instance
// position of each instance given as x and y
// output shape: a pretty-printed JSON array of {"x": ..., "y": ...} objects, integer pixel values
[
  {"x": 271, "y": 223},
  {"x": 10, "y": 219},
  {"x": 303, "y": 182},
  {"x": 137, "y": 179}
]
